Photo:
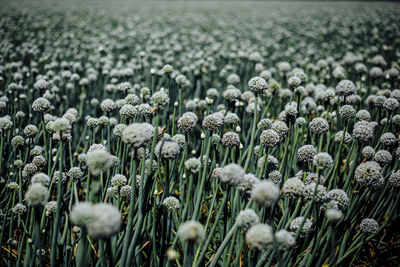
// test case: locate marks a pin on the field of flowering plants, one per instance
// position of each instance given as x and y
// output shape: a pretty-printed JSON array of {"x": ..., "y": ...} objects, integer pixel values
[{"x": 199, "y": 134}]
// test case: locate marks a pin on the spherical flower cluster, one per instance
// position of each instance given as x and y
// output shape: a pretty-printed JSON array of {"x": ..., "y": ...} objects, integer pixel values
[
  {"x": 19, "y": 209},
  {"x": 269, "y": 138},
  {"x": 284, "y": 239},
  {"x": 51, "y": 208},
  {"x": 126, "y": 192},
  {"x": 258, "y": 85},
  {"x": 318, "y": 126},
  {"x": 30, "y": 168},
  {"x": 93, "y": 122},
  {"x": 56, "y": 177},
  {"x": 31, "y": 130},
  {"x": 231, "y": 118},
  {"x": 319, "y": 192},
  {"x": 212, "y": 93},
  {"x": 171, "y": 203},
  {"x": 193, "y": 165},
  {"x": 260, "y": 236},
  {"x": 294, "y": 82},
  {"x": 17, "y": 141},
  {"x": 108, "y": 105},
  {"x": 322, "y": 160},
  {"x": 369, "y": 226},
  {"x": 212, "y": 122},
  {"x": 119, "y": 129},
  {"x": 230, "y": 139},
  {"x": 333, "y": 215},
  {"x": 300, "y": 122},
  {"x": 233, "y": 79},
  {"x": 265, "y": 193},
  {"x": 5, "y": 123},
  {"x": 340, "y": 196},
  {"x": 280, "y": 127},
  {"x": 181, "y": 79},
  {"x": 251, "y": 108},
  {"x": 345, "y": 88},
  {"x": 159, "y": 99},
  {"x": 271, "y": 163},
  {"x": 306, "y": 153},
  {"x": 394, "y": 178},
  {"x": 297, "y": 222},
  {"x": 363, "y": 115},
  {"x": 310, "y": 177},
  {"x": 61, "y": 125},
  {"x": 167, "y": 149},
  {"x": 191, "y": 231},
  {"x": 167, "y": 69},
  {"x": 138, "y": 134},
  {"x": 217, "y": 173},
  {"x": 347, "y": 112},
  {"x": 368, "y": 174},
  {"x": 232, "y": 174},
  {"x": 389, "y": 139},
  {"x": 264, "y": 124},
  {"x": 187, "y": 122},
  {"x": 100, "y": 220},
  {"x": 112, "y": 192},
  {"x": 391, "y": 104},
  {"x": 75, "y": 173},
  {"x": 339, "y": 137},
  {"x": 293, "y": 188},
  {"x": 36, "y": 195},
  {"x": 368, "y": 152},
  {"x": 128, "y": 111},
  {"x": 41, "y": 104},
  {"x": 132, "y": 99},
  {"x": 39, "y": 161},
  {"x": 13, "y": 186},
  {"x": 118, "y": 180},
  {"x": 363, "y": 131},
  {"x": 231, "y": 94},
  {"x": 40, "y": 178},
  {"x": 98, "y": 161},
  {"x": 247, "y": 218},
  {"x": 275, "y": 177},
  {"x": 383, "y": 157}
]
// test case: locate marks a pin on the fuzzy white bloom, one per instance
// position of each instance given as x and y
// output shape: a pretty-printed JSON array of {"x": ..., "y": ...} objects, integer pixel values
[
  {"x": 40, "y": 178},
  {"x": 247, "y": 218},
  {"x": 232, "y": 174},
  {"x": 191, "y": 231},
  {"x": 98, "y": 161},
  {"x": 138, "y": 134},
  {"x": 284, "y": 239},
  {"x": 36, "y": 195},
  {"x": 260, "y": 236},
  {"x": 333, "y": 215},
  {"x": 293, "y": 187},
  {"x": 167, "y": 149},
  {"x": 266, "y": 193},
  {"x": 82, "y": 213},
  {"x": 106, "y": 221}
]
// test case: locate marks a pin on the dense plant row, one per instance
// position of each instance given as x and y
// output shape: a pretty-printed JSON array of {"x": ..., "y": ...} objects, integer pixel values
[{"x": 198, "y": 136}]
